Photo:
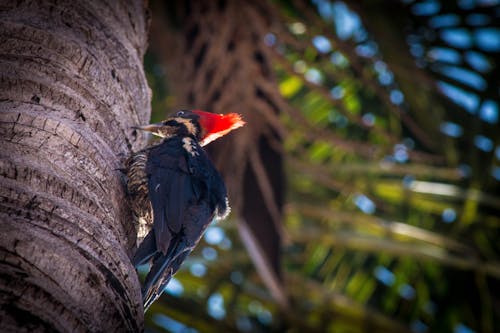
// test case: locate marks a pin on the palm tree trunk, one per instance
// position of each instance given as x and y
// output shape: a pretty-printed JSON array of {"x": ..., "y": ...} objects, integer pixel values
[{"x": 71, "y": 85}]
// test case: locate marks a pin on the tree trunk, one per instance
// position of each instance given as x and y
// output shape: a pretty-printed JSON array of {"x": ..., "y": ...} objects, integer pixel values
[{"x": 72, "y": 84}]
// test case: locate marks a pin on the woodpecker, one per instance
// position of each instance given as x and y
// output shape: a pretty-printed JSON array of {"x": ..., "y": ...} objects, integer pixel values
[{"x": 175, "y": 192}]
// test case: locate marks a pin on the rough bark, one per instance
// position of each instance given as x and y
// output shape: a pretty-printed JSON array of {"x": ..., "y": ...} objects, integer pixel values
[
  {"x": 71, "y": 85},
  {"x": 215, "y": 52}
]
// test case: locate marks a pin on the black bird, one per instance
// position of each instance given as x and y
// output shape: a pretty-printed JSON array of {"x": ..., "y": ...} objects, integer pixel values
[{"x": 173, "y": 186}]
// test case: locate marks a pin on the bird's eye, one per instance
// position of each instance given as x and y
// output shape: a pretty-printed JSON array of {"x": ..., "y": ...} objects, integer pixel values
[{"x": 180, "y": 113}]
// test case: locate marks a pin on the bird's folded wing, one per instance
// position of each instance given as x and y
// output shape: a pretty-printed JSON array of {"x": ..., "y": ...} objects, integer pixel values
[{"x": 170, "y": 190}]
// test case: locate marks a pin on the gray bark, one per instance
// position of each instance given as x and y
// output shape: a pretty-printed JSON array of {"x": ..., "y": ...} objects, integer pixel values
[{"x": 71, "y": 85}]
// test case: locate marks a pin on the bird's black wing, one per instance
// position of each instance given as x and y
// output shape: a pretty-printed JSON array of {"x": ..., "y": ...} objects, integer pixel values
[{"x": 170, "y": 191}]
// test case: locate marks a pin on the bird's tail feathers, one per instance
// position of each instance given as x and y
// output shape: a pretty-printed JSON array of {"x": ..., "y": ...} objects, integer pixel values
[
  {"x": 162, "y": 270},
  {"x": 151, "y": 294}
]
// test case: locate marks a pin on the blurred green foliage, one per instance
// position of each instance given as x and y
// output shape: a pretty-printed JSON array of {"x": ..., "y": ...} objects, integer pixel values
[{"x": 393, "y": 198}]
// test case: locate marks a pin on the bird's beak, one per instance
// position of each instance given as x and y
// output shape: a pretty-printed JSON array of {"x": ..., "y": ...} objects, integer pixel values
[{"x": 153, "y": 128}]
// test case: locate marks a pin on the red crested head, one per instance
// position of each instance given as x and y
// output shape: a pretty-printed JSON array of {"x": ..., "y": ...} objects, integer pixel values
[
  {"x": 211, "y": 125},
  {"x": 214, "y": 125}
]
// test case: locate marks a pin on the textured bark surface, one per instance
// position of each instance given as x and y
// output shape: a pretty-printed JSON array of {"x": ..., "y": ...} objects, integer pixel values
[
  {"x": 215, "y": 50},
  {"x": 71, "y": 85}
]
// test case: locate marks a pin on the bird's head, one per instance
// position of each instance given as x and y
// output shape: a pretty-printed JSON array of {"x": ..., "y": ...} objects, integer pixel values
[{"x": 203, "y": 126}]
